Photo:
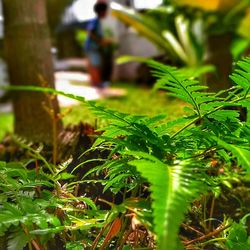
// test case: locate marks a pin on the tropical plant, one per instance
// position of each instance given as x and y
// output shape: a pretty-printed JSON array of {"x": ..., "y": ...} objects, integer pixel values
[
  {"x": 194, "y": 33},
  {"x": 34, "y": 206},
  {"x": 163, "y": 167},
  {"x": 175, "y": 158},
  {"x": 237, "y": 237},
  {"x": 171, "y": 32}
]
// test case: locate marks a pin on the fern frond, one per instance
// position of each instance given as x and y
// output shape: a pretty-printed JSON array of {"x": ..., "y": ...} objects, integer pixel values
[
  {"x": 205, "y": 105},
  {"x": 241, "y": 154},
  {"x": 113, "y": 115},
  {"x": 186, "y": 89},
  {"x": 137, "y": 131},
  {"x": 241, "y": 75},
  {"x": 172, "y": 189},
  {"x": 18, "y": 240}
]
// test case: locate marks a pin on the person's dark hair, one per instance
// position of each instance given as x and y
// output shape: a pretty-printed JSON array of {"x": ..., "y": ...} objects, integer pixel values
[{"x": 100, "y": 7}]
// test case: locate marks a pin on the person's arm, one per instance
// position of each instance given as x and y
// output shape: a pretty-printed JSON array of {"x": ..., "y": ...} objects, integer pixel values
[
  {"x": 91, "y": 28},
  {"x": 93, "y": 36}
]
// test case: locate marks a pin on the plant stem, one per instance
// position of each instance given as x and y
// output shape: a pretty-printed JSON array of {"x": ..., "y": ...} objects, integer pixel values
[
  {"x": 94, "y": 245},
  {"x": 208, "y": 113},
  {"x": 125, "y": 237},
  {"x": 185, "y": 127},
  {"x": 211, "y": 214},
  {"x": 193, "y": 229},
  {"x": 209, "y": 235},
  {"x": 204, "y": 213},
  {"x": 124, "y": 225},
  {"x": 213, "y": 240},
  {"x": 34, "y": 243}
]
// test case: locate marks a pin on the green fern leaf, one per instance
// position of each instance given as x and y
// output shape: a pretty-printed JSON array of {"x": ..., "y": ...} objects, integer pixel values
[
  {"x": 18, "y": 240},
  {"x": 180, "y": 86},
  {"x": 225, "y": 115},
  {"x": 241, "y": 154},
  {"x": 137, "y": 131},
  {"x": 205, "y": 104},
  {"x": 241, "y": 75},
  {"x": 172, "y": 189}
]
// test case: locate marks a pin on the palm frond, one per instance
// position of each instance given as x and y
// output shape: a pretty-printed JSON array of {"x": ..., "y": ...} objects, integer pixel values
[{"x": 145, "y": 26}]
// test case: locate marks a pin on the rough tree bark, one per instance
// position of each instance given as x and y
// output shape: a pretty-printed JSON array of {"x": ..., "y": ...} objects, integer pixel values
[{"x": 28, "y": 54}]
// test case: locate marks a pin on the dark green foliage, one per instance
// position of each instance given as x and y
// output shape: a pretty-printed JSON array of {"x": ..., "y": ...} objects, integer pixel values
[
  {"x": 238, "y": 237},
  {"x": 34, "y": 206},
  {"x": 18, "y": 191},
  {"x": 175, "y": 159}
]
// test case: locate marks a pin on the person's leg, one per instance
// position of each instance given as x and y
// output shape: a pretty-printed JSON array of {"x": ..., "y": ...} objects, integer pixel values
[
  {"x": 95, "y": 75},
  {"x": 107, "y": 64}
]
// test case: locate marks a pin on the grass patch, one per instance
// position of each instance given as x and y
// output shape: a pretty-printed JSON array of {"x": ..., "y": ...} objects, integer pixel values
[
  {"x": 140, "y": 101},
  {"x": 6, "y": 124}
]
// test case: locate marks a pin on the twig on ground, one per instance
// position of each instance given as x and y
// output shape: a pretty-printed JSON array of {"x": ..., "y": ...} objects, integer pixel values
[
  {"x": 193, "y": 229},
  {"x": 209, "y": 235}
]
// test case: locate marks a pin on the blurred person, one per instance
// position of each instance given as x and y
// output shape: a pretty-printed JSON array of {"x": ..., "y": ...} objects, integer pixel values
[{"x": 95, "y": 43}]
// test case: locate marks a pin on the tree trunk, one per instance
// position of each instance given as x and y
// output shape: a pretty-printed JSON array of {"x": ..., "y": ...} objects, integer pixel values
[
  {"x": 219, "y": 55},
  {"x": 55, "y": 9},
  {"x": 65, "y": 42},
  {"x": 27, "y": 47}
]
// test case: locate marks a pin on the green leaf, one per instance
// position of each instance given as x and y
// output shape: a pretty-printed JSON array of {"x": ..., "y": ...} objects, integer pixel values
[
  {"x": 66, "y": 176},
  {"x": 172, "y": 189},
  {"x": 242, "y": 154},
  {"x": 17, "y": 240},
  {"x": 241, "y": 75},
  {"x": 2, "y": 164},
  {"x": 144, "y": 25},
  {"x": 225, "y": 115},
  {"x": 48, "y": 230},
  {"x": 43, "y": 90},
  {"x": 238, "y": 238}
]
